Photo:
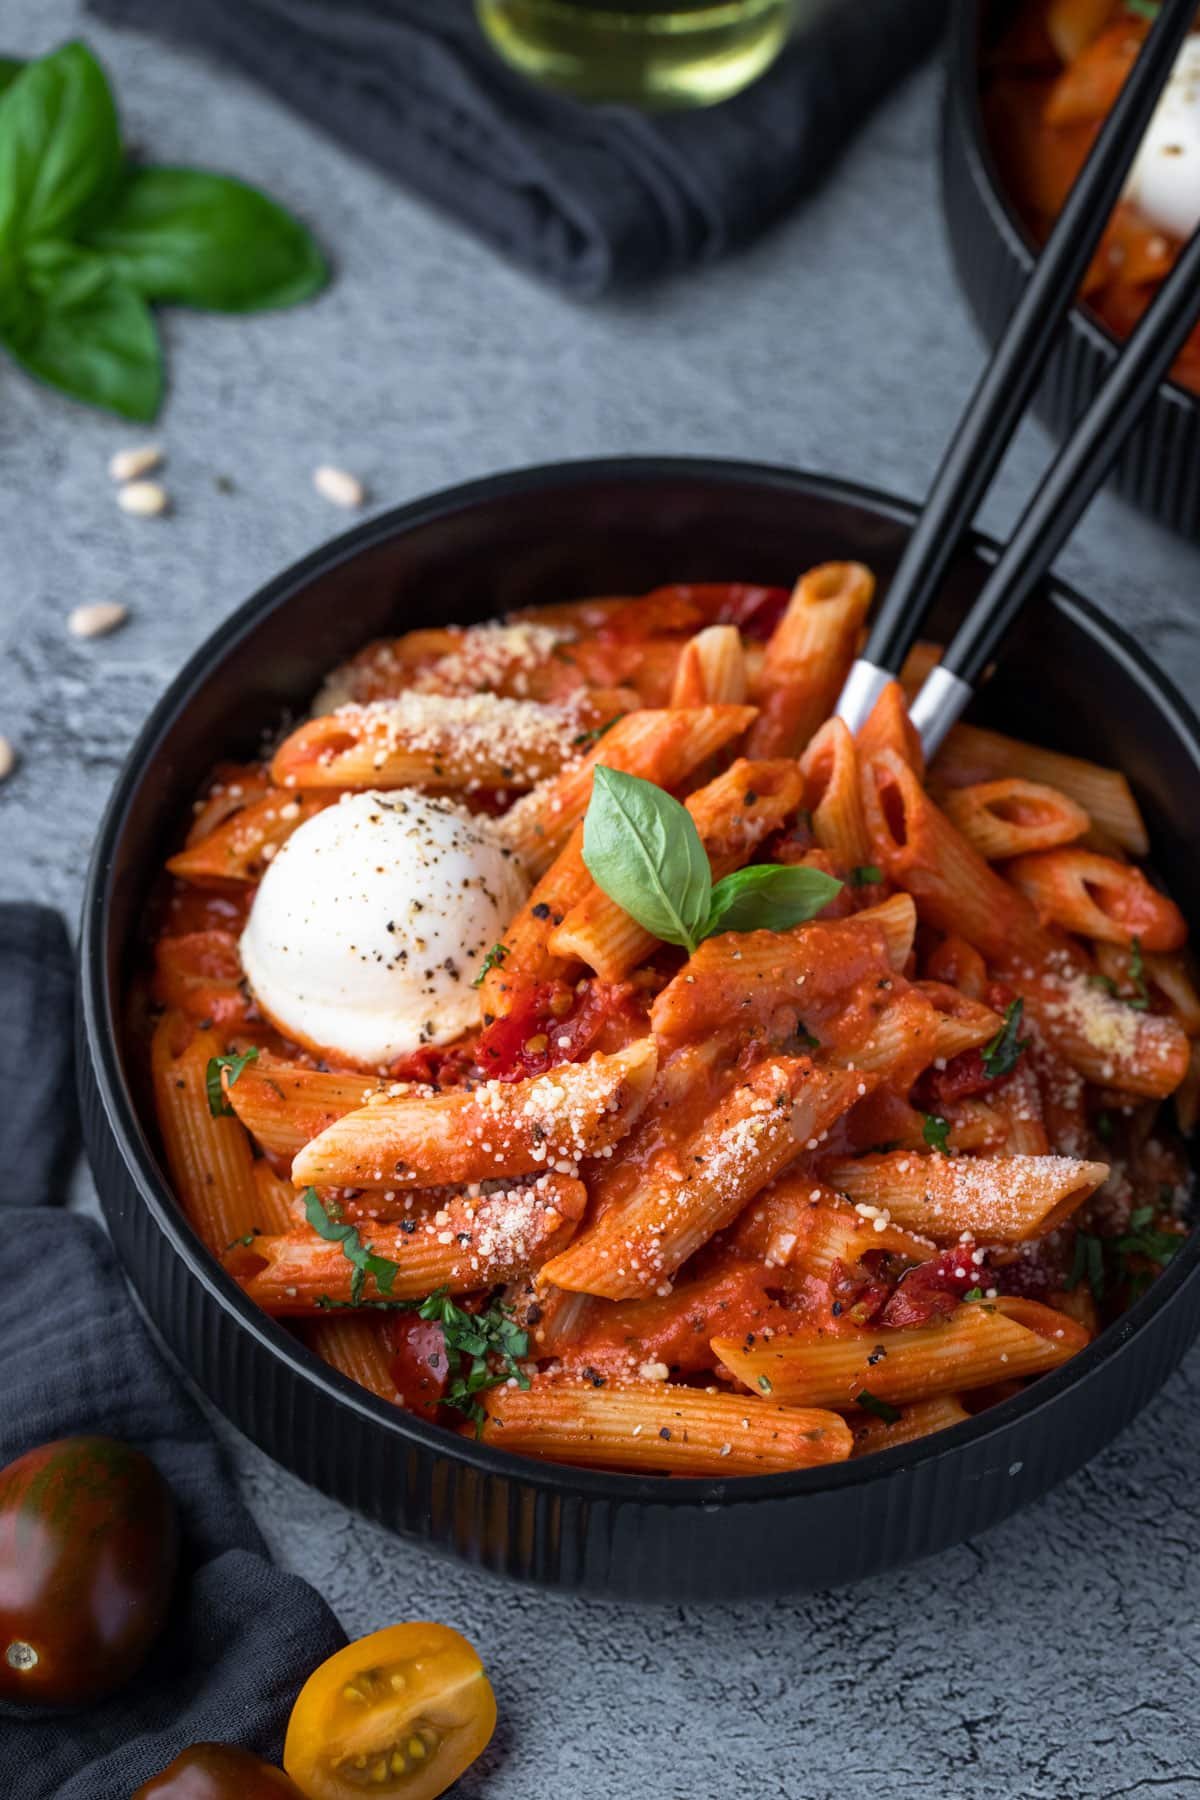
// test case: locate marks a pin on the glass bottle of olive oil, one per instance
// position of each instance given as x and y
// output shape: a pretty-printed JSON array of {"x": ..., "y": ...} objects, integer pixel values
[{"x": 648, "y": 53}]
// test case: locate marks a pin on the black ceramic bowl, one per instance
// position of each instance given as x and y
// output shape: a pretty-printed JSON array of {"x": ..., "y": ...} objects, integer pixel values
[
  {"x": 1159, "y": 469},
  {"x": 538, "y": 535}
]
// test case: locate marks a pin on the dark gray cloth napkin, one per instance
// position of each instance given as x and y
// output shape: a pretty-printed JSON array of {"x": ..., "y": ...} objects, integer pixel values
[
  {"x": 589, "y": 197},
  {"x": 77, "y": 1358}
]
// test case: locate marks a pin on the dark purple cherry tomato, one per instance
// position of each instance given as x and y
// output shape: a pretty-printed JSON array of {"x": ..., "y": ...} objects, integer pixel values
[
  {"x": 88, "y": 1547},
  {"x": 218, "y": 1772}
]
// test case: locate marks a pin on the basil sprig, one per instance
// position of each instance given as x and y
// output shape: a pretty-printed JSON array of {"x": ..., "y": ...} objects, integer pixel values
[
  {"x": 642, "y": 847},
  {"x": 218, "y": 1105},
  {"x": 89, "y": 241}
]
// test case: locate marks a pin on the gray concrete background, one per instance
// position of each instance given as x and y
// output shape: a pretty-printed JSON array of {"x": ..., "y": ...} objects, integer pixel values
[{"x": 1057, "y": 1657}]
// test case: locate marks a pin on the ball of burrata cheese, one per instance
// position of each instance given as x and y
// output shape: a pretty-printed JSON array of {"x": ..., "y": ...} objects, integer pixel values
[{"x": 372, "y": 922}]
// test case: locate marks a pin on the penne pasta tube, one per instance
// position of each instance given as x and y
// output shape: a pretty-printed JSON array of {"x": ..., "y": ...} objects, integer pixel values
[
  {"x": 660, "y": 745},
  {"x": 896, "y": 917},
  {"x": 832, "y": 795},
  {"x": 210, "y": 1160},
  {"x": 996, "y": 1199},
  {"x": 500, "y": 1128},
  {"x": 470, "y": 1242},
  {"x": 234, "y": 787},
  {"x": 429, "y": 740},
  {"x": 888, "y": 727},
  {"x": 980, "y": 1343},
  {"x": 656, "y": 1427},
  {"x": 357, "y": 1346},
  {"x": 280, "y": 1207},
  {"x": 1169, "y": 977},
  {"x": 1102, "y": 1038},
  {"x": 523, "y": 957},
  {"x": 963, "y": 1023},
  {"x": 554, "y": 1318},
  {"x": 282, "y": 1104},
  {"x": 732, "y": 814},
  {"x": 954, "y": 888},
  {"x": 1011, "y": 817},
  {"x": 971, "y": 755},
  {"x": 241, "y": 847},
  {"x": 802, "y": 1223},
  {"x": 711, "y": 669},
  {"x": 782, "y": 1107},
  {"x": 919, "y": 1420},
  {"x": 808, "y": 657},
  {"x": 1098, "y": 897}
]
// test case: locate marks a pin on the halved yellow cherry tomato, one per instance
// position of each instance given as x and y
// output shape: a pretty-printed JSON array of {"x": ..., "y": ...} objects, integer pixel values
[{"x": 401, "y": 1712}]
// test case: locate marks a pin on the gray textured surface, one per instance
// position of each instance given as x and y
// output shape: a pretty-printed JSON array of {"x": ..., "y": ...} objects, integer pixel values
[{"x": 1060, "y": 1655}]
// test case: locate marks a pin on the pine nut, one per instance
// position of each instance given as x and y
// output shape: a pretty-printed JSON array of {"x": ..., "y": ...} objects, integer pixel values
[
  {"x": 144, "y": 499},
  {"x": 339, "y": 486},
  {"x": 139, "y": 459},
  {"x": 8, "y": 759},
  {"x": 98, "y": 619}
]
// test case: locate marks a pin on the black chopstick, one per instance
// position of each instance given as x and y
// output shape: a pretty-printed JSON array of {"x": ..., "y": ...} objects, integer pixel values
[
  {"x": 999, "y": 400},
  {"x": 1063, "y": 495}
]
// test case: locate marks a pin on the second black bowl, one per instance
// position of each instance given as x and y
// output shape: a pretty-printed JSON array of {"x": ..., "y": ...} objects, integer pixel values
[
  {"x": 1159, "y": 469},
  {"x": 1069, "y": 679}
]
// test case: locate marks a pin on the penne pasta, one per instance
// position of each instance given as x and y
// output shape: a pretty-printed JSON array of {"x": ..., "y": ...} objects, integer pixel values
[
  {"x": 981, "y": 1343},
  {"x": 782, "y": 1107},
  {"x": 1098, "y": 897},
  {"x": 282, "y": 1104},
  {"x": 470, "y": 1242},
  {"x": 919, "y": 1420},
  {"x": 954, "y": 888},
  {"x": 1012, "y": 817},
  {"x": 808, "y": 657},
  {"x": 210, "y": 1159},
  {"x": 971, "y": 755},
  {"x": 802, "y": 1223},
  {"x": 356, "y": 1347},
  {"x": 830, "y": 769},
  {"x": 999, "y": 1199},
  {"x": 1100, "y": 1037},
  {"x": 711, "y": 669},
  {"x": 240, "y": 848},
  {"x": 890, "y": 728},
  {"x": 498, "y": 1129},
  {"x": 660, "y": 746},
  {"x": 652, "y": 1426}
]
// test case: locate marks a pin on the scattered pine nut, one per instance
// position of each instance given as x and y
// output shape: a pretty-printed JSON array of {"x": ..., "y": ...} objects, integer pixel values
[
  {"x": 139, "y": 459},
  {"x": 144, "y": 499},
  {"x": 8, "y": 759},
  {"x": 98, "y": 619},
  {"x": 339, "y": 486}
]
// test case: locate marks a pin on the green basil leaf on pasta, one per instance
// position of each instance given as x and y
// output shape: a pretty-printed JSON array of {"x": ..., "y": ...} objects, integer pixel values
[
  {"x": 197, "y": 239},
  {"x": 642, "y": 847},
  {"x": 768, "y": 897},
  {"x": 60, "y": 147}
]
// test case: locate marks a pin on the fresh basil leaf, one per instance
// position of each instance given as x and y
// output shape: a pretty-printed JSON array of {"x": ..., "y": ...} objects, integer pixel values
[
  {"x": 768, "y": 897},
  {"x": 492, "y": 960},
  {"x": 10, "y": 68},
  {"x": 642, "y": 847},
  {"x": 866, "y": 875},
  {"x": 883, "y": 1409},
  {"x": 60, "y": 147},
  {"x": 218, "y": 1104},
  {"x": 936, "y": 1132},
  {"x": 205, "y": 240},
  {"x": 86, "y": 333},
  {"x": 1137, "y": 975},
  {"x": 1001, "y": 1055},
  {"x": 382, "y": 1270}
]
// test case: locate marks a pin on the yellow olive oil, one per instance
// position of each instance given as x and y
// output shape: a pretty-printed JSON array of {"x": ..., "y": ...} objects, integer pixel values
[{"x": 648, "y": 53}]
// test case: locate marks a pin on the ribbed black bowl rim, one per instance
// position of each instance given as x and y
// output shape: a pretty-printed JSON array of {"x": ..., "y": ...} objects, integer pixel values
[
  {"x": 100, "y": 1030},
  {"x": 1006, "y": 221}
]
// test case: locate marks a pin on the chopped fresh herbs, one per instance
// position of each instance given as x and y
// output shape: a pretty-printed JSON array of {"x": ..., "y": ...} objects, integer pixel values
[
  {"x": 1145, "y": 9},
  {"x": 1104, "y": 1126},
  {"x": 1088, "y": 1264},
  {"x": 1137, "y": 976},
  {"x": 764, "y": 1382},
  {"x": 804, "y": 1038},
  {"x": 937, "y": 1132},
  {"x": 585, "y": 739},
  {"x": 218, "y": 1105},
  {"x": 246, "y": 1239},
  {"x": 975, "y": 1293},
  {"x": 381, "y": 1269},
  {"x": 471, "y": 1339},
  {"x": 492, "y": 960},
  {"x": 1105, "y": 983},
  {"x": 882, "y": 1409},
  {"x": 642, "y": 847},
  {"x": 866, "y": 875},
  {"x": 1001, "y": 1056}
]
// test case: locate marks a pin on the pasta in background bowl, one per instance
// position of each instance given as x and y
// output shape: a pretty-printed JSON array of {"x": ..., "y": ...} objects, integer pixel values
[{"x": 785, "y": 1193}]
